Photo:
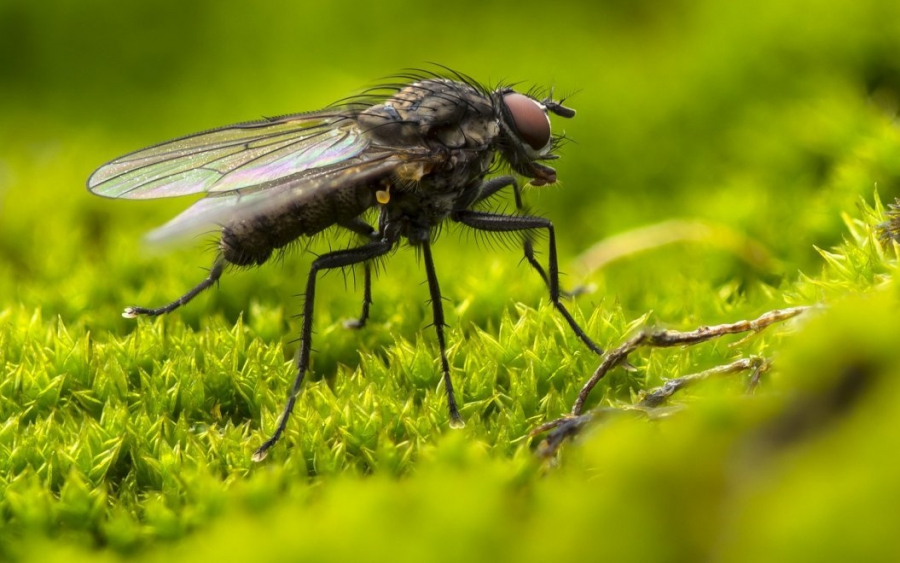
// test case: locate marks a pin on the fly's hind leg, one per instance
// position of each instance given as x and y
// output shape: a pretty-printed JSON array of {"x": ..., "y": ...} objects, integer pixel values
[
  {"x": 214, "y": 274},
  {"x": 330, "y": 261},
  {"x": 360, "y": 322}
]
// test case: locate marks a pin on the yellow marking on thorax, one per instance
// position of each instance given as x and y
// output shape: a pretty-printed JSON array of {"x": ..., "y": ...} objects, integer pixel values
[{"x": 413, "y": 171}]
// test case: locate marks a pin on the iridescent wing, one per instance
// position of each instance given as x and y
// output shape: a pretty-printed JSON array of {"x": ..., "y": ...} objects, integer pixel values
[
  {"x": 272, "y": 197},
  {"x": 233, "y": 158}
]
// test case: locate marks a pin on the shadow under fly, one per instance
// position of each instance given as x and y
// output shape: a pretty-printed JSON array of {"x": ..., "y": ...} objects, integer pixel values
[{"x": 418, "y": 148}]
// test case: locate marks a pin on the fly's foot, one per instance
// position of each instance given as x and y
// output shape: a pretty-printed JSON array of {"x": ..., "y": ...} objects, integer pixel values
[
  {"x": 135, "y": 312},
  {"x": 578, "y": 290},
  {"x": 354, "y": 324}
]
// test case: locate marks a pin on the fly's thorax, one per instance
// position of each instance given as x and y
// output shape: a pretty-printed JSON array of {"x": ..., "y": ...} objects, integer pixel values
[
  {"x": 445, "y": 176},
  {"x": 413, "y": 172},
  {"x": 384, "y": 125},
  {"x": 417, "y": 211},
  {"x": 433, "y": 113},
  {"x": 480, "y": 132}
]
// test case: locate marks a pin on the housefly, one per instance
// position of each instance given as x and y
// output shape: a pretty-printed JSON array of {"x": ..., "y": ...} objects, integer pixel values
[{"x": 418, "y": 150}]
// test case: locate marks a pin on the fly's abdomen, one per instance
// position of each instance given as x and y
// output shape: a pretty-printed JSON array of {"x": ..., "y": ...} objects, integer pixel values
[{"x": 252, "y": 241}]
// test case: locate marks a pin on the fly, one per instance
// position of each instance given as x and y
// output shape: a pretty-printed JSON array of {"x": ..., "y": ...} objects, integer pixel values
[{"x": 420, "y": 151}]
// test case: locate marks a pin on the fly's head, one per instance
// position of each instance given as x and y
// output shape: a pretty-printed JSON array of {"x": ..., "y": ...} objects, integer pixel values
[{"x": 525, "y": 138}]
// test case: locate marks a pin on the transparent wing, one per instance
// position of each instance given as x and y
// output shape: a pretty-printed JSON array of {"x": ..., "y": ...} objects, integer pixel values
[
  {"x": 232, "y": 158},
  {"x": 273, "y": 197}
]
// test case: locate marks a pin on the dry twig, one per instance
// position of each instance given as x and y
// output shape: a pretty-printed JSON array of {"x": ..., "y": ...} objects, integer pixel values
[
  {"x": 663, "y": 338},
  {"x": 569, "y": 425}
]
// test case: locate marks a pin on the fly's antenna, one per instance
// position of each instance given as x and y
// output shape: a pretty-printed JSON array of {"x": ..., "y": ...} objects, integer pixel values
[{"x": 556, "y": 107}]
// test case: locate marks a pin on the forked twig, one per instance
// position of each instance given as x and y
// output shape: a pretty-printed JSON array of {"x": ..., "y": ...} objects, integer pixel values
[
  {"x": 569, "y": 425},
  {"x": 659, "y": 395},
  {"x": 663, "y": 338}
]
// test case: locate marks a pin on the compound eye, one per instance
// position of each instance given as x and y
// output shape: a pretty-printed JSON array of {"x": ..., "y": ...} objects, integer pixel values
[{"x": 530, "y": 120}]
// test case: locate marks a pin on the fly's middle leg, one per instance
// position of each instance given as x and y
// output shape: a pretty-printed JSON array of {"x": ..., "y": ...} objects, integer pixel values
[
  {"x": 332, "y": 260},
  {"x": 437, "y": 308},
  {"x": 214, "y": 274},
  {"x": 498, "y": 223},
  {"x": 366, "y": 231}
]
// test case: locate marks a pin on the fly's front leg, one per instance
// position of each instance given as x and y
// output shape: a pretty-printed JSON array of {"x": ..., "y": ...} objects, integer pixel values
[
  {"x": 332, "y": 260},
  {"x": 437, "y": 308},
  {"x": 498, "y": 223},
  {"x": 493, "y": 186},
  {"x": 528, "y": 247},
  {"x": 214, "y": 274}
]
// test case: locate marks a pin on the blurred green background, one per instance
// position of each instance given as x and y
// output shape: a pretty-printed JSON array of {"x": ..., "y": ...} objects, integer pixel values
[
  {"x": 739, "y": 114},
  {"x": 746, "y": 132}
]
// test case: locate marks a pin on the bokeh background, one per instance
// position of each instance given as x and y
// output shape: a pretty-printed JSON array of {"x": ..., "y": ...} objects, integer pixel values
[{"x": 717, "y": 146}]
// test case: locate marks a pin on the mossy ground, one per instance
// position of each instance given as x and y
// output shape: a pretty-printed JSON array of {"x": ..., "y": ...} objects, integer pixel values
[{"x": 760, "y": 141}]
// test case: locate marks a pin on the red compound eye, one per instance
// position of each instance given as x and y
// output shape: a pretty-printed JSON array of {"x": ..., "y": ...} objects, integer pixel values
[{"x": 530, "y": 120}]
